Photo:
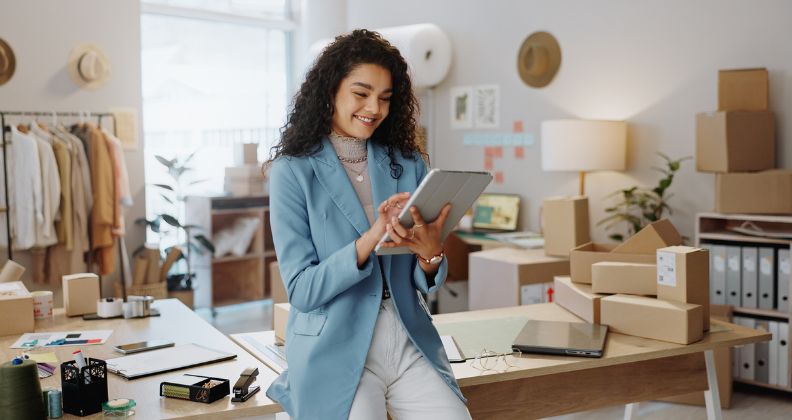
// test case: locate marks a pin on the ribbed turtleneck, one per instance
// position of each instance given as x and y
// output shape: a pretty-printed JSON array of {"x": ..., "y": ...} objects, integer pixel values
[{"x": 353, "y": 149}]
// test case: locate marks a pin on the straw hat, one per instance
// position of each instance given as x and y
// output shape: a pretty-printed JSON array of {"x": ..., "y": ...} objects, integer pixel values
[
  {"x": 539, "y": 59},
  {"x": 88, "y": 66},
  {"x": 7, "y": 62}
]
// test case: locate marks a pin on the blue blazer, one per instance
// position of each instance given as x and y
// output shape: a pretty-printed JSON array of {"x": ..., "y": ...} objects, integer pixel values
[{"x": 316, "y": 218}]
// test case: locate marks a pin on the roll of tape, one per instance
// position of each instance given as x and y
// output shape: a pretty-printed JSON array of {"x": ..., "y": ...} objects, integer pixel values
[
  {"x": 109, "y": 307},
  {"x": 42, "y": 304}
]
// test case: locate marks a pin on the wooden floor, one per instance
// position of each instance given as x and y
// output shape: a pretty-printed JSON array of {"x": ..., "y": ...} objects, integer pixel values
[{"x": 748, "y": 402}]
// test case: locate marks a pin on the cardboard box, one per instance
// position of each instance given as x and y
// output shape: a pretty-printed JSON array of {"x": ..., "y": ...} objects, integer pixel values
[
  {"x": 16, "y": 309},
  {"x": 583, "y": 257},
  {"x": 497, "y": 275},
  {"x": 80, "y": 293},
  {"x": 743, "y": 90},
  {"x": 245, "y": 154},
  {"x": 762, "y": 192},
  {"x": 278, "y": 288},
  {"x": 245, "y": 180},
  {"x": 723, "y": 366},
  {"x": 627, "y": 278},
  {"x": 683, "y": 276},
  {"x": 565, "y": 224},
  {"x": 655, "y": 235},
  {"x": 735, "y": 141},
  {"x": 677, "y": 322},
  {"x": 280, "y": 318},
  {"x": 578, "y": 299}
]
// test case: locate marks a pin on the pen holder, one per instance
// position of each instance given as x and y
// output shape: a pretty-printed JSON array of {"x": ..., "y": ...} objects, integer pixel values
[{"x": 84, "y": 390}]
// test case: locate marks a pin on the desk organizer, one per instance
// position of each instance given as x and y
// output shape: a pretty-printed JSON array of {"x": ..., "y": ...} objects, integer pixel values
[
  {"x": 203, "y": 389},
  {"x": 84, "y": 390}
]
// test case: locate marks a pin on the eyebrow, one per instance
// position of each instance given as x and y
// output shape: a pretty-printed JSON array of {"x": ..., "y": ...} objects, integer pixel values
[{"x": 369, "y": 87}]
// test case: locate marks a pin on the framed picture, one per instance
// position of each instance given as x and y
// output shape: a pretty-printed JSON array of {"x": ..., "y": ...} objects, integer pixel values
[
  {"x": 487, "y": 106},
  {"x": 461, "y": 107}
]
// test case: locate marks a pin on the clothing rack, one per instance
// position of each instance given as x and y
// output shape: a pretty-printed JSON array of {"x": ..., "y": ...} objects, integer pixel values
[{"x": 6, "y": 129}]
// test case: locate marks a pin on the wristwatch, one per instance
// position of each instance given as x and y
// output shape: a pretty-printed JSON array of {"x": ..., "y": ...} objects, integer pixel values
[{"x": 432, "y": 261}]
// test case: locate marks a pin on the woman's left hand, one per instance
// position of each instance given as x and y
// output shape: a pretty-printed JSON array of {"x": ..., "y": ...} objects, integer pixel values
[{"x": 423, "y": 238}]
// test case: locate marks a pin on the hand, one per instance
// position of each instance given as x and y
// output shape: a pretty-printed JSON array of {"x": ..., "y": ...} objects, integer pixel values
[
  {"x": 423, "y": 238},
  {"x": 388, "y": 209}
]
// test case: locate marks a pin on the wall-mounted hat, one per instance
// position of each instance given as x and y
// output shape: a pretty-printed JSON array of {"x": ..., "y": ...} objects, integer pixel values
[
  {"x": 7, "y": 62},
  {"x": 88, "y": 66},
  {"x": 539, "y": 59}
]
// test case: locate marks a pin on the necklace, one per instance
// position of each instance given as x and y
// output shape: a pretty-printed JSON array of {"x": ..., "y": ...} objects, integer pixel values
[{"x": 358, "y": 175}]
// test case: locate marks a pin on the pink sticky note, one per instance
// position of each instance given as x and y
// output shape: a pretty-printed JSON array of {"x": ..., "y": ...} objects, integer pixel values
[
  {"x": 517, "y": 126},
  {"x": 497, "y": 152},
  {"x": 499, "y": 177},
  {"x": 487, "y": 163},
  {"x": 519, "y": 152}
]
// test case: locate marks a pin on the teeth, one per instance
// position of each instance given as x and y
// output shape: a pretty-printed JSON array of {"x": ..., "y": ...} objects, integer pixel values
[{"x": 364, "y": 119}]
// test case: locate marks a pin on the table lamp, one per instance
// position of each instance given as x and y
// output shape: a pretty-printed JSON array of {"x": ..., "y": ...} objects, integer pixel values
[{"x": 583, "y": 146}]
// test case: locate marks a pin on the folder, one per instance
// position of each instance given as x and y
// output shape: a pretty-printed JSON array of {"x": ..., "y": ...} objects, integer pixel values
[
  {"x": 772, "y": 377},
  {"x": 747, "y": 370},
  {"x": 767, "y": 278},
  {"x": 718, "y": 274},
  {"x": 736, "y": 352},
  {"x": 733, "y": 275},
  {"x": 782, "y": 303},
  {"x": 762, "y": 355},
  {"x": 783, "y": 354},
  {"x": 749, "y": 277}
]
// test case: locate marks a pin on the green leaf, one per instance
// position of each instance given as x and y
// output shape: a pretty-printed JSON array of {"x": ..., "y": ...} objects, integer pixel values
[
  {"x": 166, "y": 162},
  {"x": 141, "y": 221},
  {"x": 189, "y": 157},
  {"x": 166, "y": 198},
  {"x": 205, "y": 242},
  {"x": 197, "y": 181},
  {"x": 171, "y": 220},
  {"x": 192, "y": 227},
  {"x": 617, "y": 237}
]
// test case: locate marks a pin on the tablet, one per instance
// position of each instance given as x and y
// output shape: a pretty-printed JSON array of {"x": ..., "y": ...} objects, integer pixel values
[{"x": 460, "y": 188}]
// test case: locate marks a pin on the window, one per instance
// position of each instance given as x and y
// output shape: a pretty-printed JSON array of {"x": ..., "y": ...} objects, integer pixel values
[{"x": 214, "y": 73}]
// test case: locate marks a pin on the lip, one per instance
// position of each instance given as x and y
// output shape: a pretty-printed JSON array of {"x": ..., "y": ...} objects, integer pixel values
[{"x": 367, "y": 124}]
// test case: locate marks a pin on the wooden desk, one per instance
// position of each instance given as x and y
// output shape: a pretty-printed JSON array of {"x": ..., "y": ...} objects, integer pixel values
[
  {"x": 633, "y": 369},
  {"x": 179, "y": 324}
]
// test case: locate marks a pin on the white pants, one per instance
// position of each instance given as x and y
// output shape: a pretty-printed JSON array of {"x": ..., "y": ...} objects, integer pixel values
[{"x": 398, "y": 379}]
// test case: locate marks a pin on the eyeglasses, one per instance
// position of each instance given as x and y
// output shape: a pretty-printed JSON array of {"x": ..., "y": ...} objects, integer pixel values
[{"x": 491, "y": 361}]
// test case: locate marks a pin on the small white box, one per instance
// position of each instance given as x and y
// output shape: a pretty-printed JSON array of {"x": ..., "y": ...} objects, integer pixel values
[{"x": 80, "y": 293}]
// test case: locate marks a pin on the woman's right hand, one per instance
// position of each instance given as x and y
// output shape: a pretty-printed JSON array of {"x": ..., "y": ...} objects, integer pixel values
[{"x": 385, "y": 211}]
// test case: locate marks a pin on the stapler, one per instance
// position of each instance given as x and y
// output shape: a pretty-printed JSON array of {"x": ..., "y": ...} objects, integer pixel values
[{"x": 243, "y": 388}]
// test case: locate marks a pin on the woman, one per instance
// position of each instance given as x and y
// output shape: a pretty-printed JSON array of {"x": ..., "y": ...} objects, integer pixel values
[{"x": 360, "y": 339}]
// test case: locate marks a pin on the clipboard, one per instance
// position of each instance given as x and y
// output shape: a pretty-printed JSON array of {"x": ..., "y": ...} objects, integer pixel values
[
  {"x": 460, "y": 188},
  {"x": 165, "y": 360}
]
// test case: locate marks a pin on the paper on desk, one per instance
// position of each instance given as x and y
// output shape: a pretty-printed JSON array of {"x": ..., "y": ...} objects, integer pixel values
[
  {"x": 62, "y": 338},
  {"x": 451, "y": 349},
  {"x": 49, "y": 357}
]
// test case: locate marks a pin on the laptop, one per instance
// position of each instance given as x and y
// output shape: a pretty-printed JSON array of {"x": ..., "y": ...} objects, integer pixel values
[
  {"x": 561, "y": 338},
  {"x": 496, "y": 213}
]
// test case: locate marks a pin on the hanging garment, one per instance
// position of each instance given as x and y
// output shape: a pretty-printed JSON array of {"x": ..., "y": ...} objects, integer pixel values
[
  {"x": 120, "y": 168},
  {"x": 24, "y": 176},
  {"x": 65, "y": 224},
  {"x": 117, "y": 161},
  {"x": 103, "y": 213},
  {"x": 51, "y": 192}
]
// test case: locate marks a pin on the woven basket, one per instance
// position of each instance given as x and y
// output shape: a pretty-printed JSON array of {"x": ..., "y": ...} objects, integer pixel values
[{"x": 156, "y": 290}]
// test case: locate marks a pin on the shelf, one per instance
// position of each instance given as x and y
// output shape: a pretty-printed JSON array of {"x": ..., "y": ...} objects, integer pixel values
[
  {"x": 234, "y": 258},
  {"x": 246, "y": 210},
  {"x": 730, "y": 236},
  {"x": 751, "y": 217},
  {"x": 763, "y": 385},
  {"x": 761, "y": 312},
  {"x": 270, "y": 253}
]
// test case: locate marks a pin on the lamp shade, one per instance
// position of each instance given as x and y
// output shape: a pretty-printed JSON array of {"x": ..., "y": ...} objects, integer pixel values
[{"x": 583, "y": 145}]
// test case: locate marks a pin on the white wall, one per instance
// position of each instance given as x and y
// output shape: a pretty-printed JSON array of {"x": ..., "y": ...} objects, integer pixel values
[
  {"x": 652, "y": 63},
  {"x": 42, "y": 34}
]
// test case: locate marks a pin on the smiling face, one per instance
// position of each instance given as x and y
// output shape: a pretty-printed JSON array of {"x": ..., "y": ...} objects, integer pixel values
[{"x": 362, "y": 101}]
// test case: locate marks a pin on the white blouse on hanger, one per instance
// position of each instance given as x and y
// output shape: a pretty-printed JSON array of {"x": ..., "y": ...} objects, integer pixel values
[
  {"x": 25, "y": 187},
  {"x": 51, "y": 190}
]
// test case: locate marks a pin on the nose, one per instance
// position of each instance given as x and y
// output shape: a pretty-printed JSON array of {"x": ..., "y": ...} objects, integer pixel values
[{"x": 373, "y": 105}]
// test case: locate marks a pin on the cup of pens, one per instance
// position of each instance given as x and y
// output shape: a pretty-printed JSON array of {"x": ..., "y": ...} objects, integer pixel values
[{"x": 84, "y": 384}]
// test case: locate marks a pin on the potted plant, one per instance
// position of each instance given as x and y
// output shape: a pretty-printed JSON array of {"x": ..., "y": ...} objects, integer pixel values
[
  {"x": 640, "y": 206},
  {"x": 183, "y": 235}
]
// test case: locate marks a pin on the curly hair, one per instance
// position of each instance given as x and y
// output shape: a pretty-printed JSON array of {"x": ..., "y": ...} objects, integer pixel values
[{"x": 312, "y": 111}]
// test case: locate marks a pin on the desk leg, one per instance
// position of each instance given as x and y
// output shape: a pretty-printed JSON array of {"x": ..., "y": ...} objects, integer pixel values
[
  {"x": 712, "y": 395},
  {"x": 630, "y": 410}
]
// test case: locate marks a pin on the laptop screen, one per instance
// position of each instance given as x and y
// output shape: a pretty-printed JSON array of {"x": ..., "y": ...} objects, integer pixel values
[{"x": 496, "y": 212}]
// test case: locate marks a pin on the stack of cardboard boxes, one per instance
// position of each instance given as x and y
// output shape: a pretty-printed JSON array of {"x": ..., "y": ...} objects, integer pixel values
[
  {"x": 649, "y": 286},
  {"x": 737, "y": 143},
  {"x": 246, "y": 177}
]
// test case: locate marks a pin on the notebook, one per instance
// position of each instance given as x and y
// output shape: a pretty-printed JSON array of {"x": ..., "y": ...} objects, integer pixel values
[
  {"x": 564, "y": 338},
  {"x": 165, "y": 360}
]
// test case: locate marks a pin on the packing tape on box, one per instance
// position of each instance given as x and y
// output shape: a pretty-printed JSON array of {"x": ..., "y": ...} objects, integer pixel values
[
  {"x": 109, "y": 307},
  {"x": 42, "y": 304}
]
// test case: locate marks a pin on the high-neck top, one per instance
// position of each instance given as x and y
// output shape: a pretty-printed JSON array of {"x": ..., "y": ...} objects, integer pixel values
[{"x": 351, "y": 149}]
